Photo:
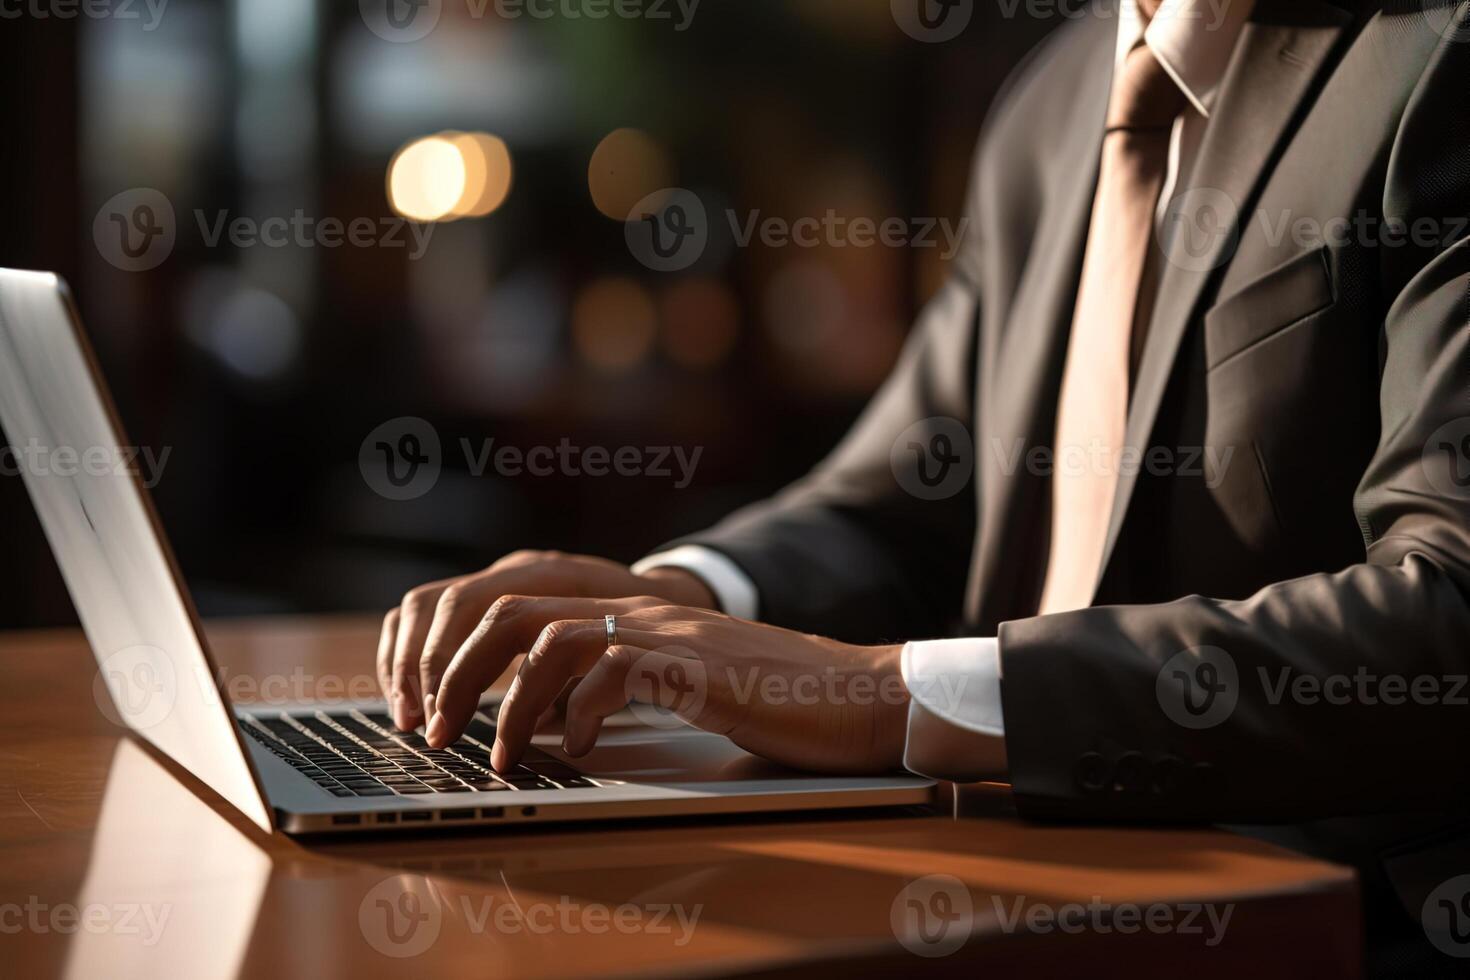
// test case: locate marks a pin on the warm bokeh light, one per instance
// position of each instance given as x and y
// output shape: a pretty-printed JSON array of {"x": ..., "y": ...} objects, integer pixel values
[
  {"x": 627, "y": 166},
  {"x": 426, "y": 179},
  {"x": 614, "y": 323},
  {"x": 488, "y": 173},
  {"x": 700, "y": 322}
]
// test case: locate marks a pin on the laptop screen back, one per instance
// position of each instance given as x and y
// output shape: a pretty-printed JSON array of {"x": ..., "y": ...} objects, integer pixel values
[{"x": 155, "y": 675}]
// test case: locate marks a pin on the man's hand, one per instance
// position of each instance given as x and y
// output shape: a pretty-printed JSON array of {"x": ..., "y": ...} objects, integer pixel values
[
  {"x": 801, "y": 700},
  {"x": 422, "y": 635}
]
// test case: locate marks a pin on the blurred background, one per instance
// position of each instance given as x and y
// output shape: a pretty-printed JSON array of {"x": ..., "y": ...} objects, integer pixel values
[{"x": 492, "y": 165}]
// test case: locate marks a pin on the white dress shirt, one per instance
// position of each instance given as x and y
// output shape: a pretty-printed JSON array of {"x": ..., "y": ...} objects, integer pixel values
[{"x": 956, "y": 726}]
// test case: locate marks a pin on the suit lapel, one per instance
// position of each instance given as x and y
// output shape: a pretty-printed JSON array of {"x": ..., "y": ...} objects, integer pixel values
[
  {"x": 1281, "y": 53},
  {"x": 1022, "y": 375}
]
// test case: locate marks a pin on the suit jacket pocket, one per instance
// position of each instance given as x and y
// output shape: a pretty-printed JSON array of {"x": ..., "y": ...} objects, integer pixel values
[{"x": 1281, "y": 298}]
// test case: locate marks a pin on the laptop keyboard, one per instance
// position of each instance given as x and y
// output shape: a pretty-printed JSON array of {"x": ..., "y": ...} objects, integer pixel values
[{"x": 353, "y": 753}]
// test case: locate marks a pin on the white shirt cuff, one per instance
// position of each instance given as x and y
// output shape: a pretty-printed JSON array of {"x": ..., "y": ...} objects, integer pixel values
[
  {"x": 956, "y": 725},
  {"x": 732, "y": 588}
]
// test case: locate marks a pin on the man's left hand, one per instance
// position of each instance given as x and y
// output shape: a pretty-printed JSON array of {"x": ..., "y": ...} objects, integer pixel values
[{"x": 800, "y": 700}]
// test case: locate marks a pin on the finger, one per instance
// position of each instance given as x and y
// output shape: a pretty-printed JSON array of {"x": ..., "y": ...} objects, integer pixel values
[
  {"x": 386, "y": 639},
  {"x": 554, "y": 659},
  {"x": 564, "y": 650},
  {"x": 460, "y": 607},
  {"x": 602, "y": 693},
  {"x": 509, "y": 629},
  {"x": 557, "y": 708},
  {"x": 416, "y": 612}
]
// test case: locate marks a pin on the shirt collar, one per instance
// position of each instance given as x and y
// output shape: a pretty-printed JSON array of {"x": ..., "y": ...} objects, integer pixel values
[{"x": 1192, "y": 39}]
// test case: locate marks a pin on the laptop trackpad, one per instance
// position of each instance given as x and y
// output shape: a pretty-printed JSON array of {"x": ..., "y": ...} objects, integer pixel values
[{"x": 685, "y": 755}]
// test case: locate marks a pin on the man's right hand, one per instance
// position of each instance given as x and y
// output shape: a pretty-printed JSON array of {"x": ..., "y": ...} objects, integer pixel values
[{"x": 422, "y": 635}]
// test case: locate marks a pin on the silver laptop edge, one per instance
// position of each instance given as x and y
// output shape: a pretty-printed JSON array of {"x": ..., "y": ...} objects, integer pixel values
[{"x": 157, "y": 677}]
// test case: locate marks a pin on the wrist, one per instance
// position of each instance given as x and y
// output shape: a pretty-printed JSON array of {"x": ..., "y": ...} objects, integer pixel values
[
  {"x": 885, "y": 665},
  {"x": 681, "y": 587}
]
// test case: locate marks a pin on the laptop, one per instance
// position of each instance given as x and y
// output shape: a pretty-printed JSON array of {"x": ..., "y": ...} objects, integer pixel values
[{"x": 303, "y": 769}]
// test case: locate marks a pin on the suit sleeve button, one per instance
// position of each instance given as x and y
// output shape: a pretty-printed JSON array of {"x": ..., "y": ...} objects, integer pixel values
[
  {"x": 1132, "y": 775},
  {"x": 1091, "y": 773}
]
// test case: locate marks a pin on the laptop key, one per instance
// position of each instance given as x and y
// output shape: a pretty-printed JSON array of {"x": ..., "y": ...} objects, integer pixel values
[
  {"x": 481, "y": 731},
  {"x": 487, "y": 785}
]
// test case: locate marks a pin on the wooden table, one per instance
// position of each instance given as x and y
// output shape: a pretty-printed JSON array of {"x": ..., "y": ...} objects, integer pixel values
[{"x": 115, "y": 863}]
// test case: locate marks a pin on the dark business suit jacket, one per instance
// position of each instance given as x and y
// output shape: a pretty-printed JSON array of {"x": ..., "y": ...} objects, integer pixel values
[{"x": 1335, "y": 375}]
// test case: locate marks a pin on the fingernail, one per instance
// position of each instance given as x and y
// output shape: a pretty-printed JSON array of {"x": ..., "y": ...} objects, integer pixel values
[
  {"x": 497, "y": 756},
  {"x": 437, "y": 731},
  {"x": 429, "y": 708}
]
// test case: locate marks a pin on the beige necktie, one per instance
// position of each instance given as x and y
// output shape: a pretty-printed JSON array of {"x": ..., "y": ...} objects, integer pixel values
[{"x": 1093, "y": 413}]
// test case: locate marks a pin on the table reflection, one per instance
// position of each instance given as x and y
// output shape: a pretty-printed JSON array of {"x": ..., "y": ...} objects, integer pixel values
[{"x": 172, "y": 888}]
